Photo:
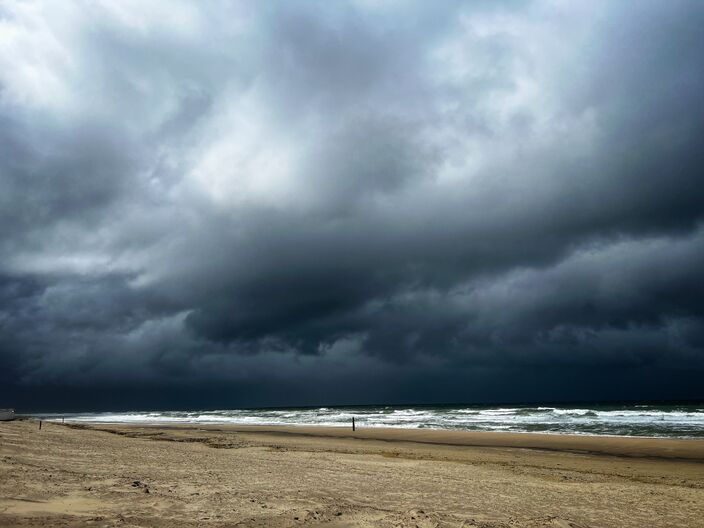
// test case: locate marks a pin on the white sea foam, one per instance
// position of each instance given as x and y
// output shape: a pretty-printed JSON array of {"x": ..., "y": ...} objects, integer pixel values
[{"x": 641, "y": 420}]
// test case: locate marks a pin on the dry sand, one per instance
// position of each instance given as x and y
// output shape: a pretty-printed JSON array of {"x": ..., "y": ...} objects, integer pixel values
[{"x": 264, "y": 476}]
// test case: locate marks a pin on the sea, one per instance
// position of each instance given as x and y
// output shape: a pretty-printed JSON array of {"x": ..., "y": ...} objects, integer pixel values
[{"x": 645, "y": 420}]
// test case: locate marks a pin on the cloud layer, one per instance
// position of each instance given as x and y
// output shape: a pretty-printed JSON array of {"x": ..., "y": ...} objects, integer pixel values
[{"x": 236, "y": 203}]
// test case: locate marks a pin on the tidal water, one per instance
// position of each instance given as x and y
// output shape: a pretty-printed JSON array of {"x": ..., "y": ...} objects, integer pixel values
[{"x": 619, "y": 420}]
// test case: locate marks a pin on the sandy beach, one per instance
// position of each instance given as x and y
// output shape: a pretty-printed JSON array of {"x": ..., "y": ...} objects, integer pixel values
[{"x": 128, "y": 476}]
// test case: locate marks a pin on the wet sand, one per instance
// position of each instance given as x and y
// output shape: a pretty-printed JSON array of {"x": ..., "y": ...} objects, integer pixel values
[{"x": 116, "y": 475}]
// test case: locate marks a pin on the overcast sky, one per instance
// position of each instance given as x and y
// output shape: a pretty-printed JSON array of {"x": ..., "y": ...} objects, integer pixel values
[{"x": 210, "y": 204}]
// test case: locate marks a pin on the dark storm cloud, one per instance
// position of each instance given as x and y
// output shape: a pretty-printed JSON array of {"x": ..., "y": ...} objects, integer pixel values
[{"x": 238, "y": 204}]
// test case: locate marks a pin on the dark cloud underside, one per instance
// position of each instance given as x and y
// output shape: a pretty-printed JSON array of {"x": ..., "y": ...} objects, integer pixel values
[{"x": 273, "y": 204}]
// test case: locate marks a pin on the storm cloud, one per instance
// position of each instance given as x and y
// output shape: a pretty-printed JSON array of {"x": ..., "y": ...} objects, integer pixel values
[{"x": 277, "y": 203}]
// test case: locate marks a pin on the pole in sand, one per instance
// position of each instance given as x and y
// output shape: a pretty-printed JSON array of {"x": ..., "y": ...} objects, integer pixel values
[
  {"x": 353, "y": 424},
  {"x": 40, "y": 425}
]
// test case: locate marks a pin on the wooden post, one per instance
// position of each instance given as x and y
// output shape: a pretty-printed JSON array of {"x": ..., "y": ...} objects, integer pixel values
[
  {"x": 40, "y": 425},
  {"x": 353, "y": 424}
]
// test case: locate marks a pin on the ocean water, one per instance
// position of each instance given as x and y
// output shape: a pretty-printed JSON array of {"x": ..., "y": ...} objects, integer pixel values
[{"x": 628, "y": 420}]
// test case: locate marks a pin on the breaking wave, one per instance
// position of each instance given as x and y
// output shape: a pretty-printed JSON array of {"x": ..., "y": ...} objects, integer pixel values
[{"x": 635, "y": 420}]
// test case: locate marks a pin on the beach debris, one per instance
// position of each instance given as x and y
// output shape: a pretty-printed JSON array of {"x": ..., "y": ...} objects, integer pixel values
[{"x": 141, "y": 485}]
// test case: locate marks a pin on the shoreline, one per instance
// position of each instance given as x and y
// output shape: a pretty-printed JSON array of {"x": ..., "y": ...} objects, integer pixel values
[
  {"x": 651, "y": 420},
  {"x": 689, "y": 449},
  {"x": 166, "y": 425}
]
